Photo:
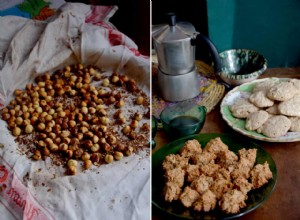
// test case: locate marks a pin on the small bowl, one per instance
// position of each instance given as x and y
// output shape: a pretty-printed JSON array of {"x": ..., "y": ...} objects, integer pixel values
[
  {"x": 239, "y": 66},
  {"x": 182, "y": 119}
]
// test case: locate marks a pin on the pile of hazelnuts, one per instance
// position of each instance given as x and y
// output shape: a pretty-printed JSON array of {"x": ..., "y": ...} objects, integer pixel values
[{"x": 67, "y": 115}]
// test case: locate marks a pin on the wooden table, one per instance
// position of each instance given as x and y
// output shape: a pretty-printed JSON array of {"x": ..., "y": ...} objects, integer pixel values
[{"x": 284, "y": 203}]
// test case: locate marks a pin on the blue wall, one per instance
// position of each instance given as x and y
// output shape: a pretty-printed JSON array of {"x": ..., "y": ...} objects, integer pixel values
[{"x": 272, "y": 27}]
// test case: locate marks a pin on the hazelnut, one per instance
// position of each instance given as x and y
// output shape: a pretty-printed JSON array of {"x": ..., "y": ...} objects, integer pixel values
[
  {"x": 85, "y": 156},
  {"x": 114, "y": 79},
  {"x": 139, "y": 100},
  {"x": 111, "y": 139},
  {"x": 88, "y": 144},
  {"x": 105, "y": 82},
  {"x": 53, "y": 147},
  {"x": 87, "y": 164},
  {"x": 118, "y": 155},
  {"x": 129, "y": 151},
  {"x": 5, "y": 116},
  {"x": 106, "y": 147},
  {"x": 41, "y": 126},
  {"x": 36, "y": 156},
  {"x": 95, "y": 148},
  {"x": 97, "y": 77},
  {"x": 72, "y": 170},
  {"x": 84, "y": 110},
  {"x": 120, "y": 147},
  {"x": 26, "y": 115},
  {"x": 138, "y": 116},
  {"x": 41, "y": 143},
  {"x": 16, "y": 131},
  {"x": 96, "y": 157},
  {"x": 104, "y": 120},
  {"x": 83, "y": 129},
  {"x": 69, "y": 153},
  {"x": 28, "y": 129},
  {"x": 78, "y": 153},
  {"x": 109, "y": 158},
  {"x": 92, "y": 110},
  {"x": 63, "y": 147},
  {"x": 126, "y": 129},
  {"x": 95, "y": 139},
  {"x": 120, "y": 103},
  {"x": 132, "y": 135},
  {"x": 72, "y": 162},
  {"x": 134, "y": 124},
  {"x": 19, "y": 120},
  {"x": 45, "y": 151},
  {"x": 65, "y": 133}
]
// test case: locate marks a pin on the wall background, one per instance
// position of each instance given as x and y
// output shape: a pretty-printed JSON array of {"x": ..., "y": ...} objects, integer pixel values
[{"x": 272, "y": 27}]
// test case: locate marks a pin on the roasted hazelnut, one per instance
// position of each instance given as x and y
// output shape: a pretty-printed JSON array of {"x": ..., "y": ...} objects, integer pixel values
[
  {"x": 72, "y": 170},
  {"x": 120, "y": 103},
  {"x": 145, "y": 127},
  {"x": 5, "y": 116},
  {"x": 85, "y": 156},
  {"x": 41, "y": 143},
  {"x": 26, "y": 115},
  {"x": 84, "y": 110},
  {"x": 120, "y": 147},
  {"x": 65, "y": 133},
  {"x": 69, "y": 153},
  {"x": 48, "y": 141},
  {"x": 45, "y": 151},
  {"x": 88, "y": 144},
  {"x": 132, "y": 135},
  {"x": 105, "y": 82},
  {"x": 129, "y": 151},
  {"x": 83, "y": 129},
  {"x": 126, "y": 129},
  {"x": 109, "y": 158},
  {"x": 53, "y": 147},
  {"x": 37, "y": 156},
  {"x": 19, "y": 120},
  {"x": 96, "y": 157},
  {"x": 48, "y": 130},
  {"x": 106, "y": 147},
  {"x": 78, "y": 153},
  {"x": 139, "y": 100},
  {"x": 134, "y": 124},
  {"x": 28, "y": 129},
  {"x": 118, "y": 155},
  {"x": 95, "y": 148},
  {"x": 41, "y": 126},
  {"x": 42, "y": 136},
  {"x": 103, "y": 128},
  {"x": 114, "y": 79},
  {"x": 92, "y": 110},
  {"x": 95, "y": 139},
  {"x": 16, "y": 131},
  {"x": 97, "y": 77},
  {"x": 111, "y": 139},
  {"x": 104, "y": 120},
  {"x": 87, "y": 164}
]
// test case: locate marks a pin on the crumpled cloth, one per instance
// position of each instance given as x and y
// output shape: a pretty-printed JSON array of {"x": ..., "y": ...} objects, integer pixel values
[{"x": 40, "y": 190}]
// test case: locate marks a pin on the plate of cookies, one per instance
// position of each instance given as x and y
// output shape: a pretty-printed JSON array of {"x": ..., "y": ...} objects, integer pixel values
[
  {"x": 265, "y": 109},
  {"x": 211, "y": 176}
]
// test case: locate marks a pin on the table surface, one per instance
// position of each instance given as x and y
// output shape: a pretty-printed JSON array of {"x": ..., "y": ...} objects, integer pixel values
[{"x": 284, "y": 203}]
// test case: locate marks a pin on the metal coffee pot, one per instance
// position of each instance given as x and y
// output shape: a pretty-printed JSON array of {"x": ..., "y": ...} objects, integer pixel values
[{"x": 175, "y": 46}]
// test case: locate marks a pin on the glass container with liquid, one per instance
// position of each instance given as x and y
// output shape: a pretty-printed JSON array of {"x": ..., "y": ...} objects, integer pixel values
[{"x": 183, "y": 119}]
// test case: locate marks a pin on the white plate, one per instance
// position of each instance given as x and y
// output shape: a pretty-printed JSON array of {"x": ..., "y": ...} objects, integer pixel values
[{"x": 244, "y": 91}]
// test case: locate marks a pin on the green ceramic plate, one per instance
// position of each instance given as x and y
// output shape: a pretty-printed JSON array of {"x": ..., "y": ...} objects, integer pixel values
[
  {"x": 244, "y": 91},
  {"x": 255, "y": 197}
]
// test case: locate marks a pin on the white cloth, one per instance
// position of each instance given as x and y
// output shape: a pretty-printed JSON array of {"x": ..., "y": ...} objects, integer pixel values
[{"x": 40, "y": 190}]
